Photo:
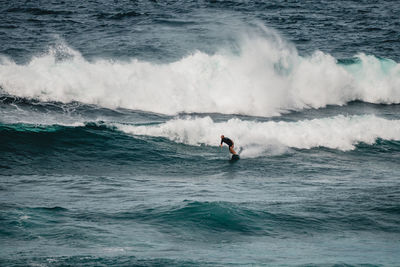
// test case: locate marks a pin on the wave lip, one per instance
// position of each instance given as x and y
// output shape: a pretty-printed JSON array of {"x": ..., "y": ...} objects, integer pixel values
[
  {"x": 339, "y": 132},
  {"x": 266, "y": 77}
]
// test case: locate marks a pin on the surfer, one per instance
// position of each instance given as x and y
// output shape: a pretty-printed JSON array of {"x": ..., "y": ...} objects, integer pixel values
[{"x": 229, "y": 142}]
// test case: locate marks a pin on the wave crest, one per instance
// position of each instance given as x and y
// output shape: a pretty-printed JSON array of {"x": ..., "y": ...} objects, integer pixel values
[
  {"x": 265, "y": 78},
  {"x": 256, "y": 138}
]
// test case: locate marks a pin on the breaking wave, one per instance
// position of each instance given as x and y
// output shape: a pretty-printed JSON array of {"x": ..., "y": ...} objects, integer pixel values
[
  {"x": 256, "y": 138},
  {"x": 265, "y": 77}
]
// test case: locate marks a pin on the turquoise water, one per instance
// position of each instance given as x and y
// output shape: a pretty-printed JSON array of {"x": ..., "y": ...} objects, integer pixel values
[{"x": 110, "y": 117}]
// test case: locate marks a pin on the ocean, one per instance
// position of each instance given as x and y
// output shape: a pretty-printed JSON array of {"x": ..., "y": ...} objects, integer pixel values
[{"x": 111, "y": 114}]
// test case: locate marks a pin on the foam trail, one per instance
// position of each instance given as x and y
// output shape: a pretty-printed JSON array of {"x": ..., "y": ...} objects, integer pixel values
[
  {"x": 339, "y": 132},
  {"x": 267, "y": 77}
]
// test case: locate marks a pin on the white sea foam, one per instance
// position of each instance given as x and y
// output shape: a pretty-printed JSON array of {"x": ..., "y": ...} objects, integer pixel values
[
  {"x": 339, "y": 132},
  {"x": 266, "y": 77},
  {"x": 24, "y": 217}
]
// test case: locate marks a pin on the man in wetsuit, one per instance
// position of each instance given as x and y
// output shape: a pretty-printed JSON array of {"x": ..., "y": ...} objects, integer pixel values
[{"x": 229, "y": 142}]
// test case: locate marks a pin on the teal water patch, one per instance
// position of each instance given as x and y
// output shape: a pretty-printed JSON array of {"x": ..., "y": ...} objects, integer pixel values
[
  {"x": 362, "y": 67},
  {"x": 22, "y": 127}
]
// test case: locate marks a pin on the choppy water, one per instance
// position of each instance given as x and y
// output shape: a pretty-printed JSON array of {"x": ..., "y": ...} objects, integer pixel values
[{"x": 110, "y": 117}]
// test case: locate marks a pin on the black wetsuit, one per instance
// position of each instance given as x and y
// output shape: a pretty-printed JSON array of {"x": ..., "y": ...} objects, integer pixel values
[{"x": 227, "y": 141}]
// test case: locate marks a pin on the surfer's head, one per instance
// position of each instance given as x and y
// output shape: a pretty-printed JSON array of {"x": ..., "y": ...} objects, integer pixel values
[{"x": 222, "y": 136}]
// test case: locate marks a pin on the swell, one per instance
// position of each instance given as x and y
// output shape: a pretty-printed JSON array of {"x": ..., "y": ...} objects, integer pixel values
[
  {"x": 194, "y": 218},
  {"x": 265, "y": 76},
  {"x": 93, "y": 147},
  {"x": 100, "y": 148},
  {"x": 253, "y": 219},
  {"x": 190, "y": 137},
  {"x": 256, "y": 138},
  {"x": 41, "y": 148}
]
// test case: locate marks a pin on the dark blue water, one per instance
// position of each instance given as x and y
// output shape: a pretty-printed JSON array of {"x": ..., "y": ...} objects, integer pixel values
[{"x": 111, "y": 115}]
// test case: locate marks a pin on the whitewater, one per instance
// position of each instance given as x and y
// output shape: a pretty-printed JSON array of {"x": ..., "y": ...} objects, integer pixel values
[
  {"x": 337, "y": 132},
  {"x": 265, "y": 77}
]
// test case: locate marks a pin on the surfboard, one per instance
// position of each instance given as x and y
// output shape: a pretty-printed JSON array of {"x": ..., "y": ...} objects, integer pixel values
[{"x": 235, "y": 157}]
